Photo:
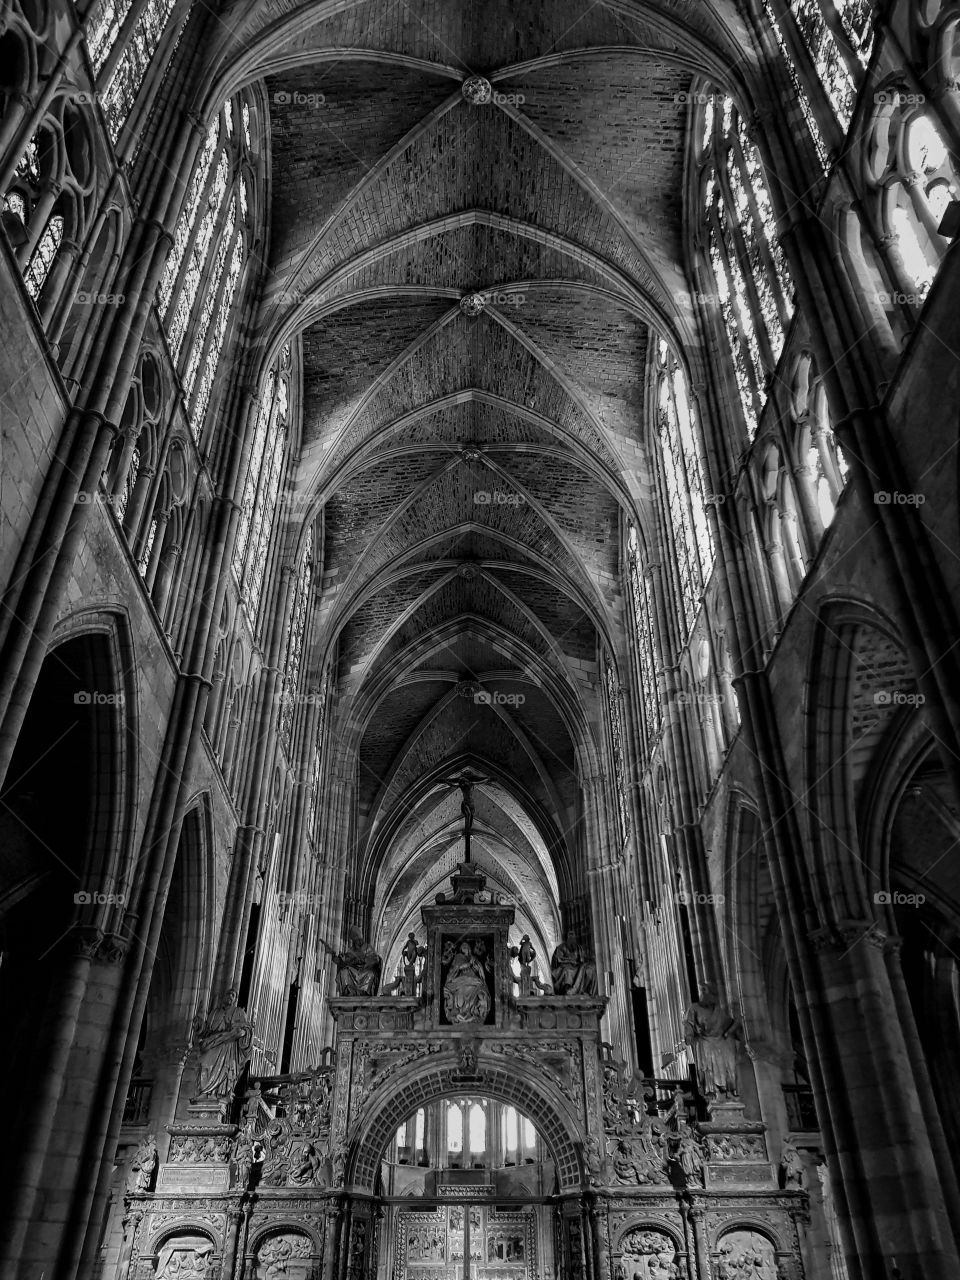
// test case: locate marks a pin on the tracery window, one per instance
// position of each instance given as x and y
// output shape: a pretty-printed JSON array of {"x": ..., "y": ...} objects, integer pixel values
[
  {"x": 754, "y": 289},
  {"x": 641, "y": 595},
  {"x": 107, "y": 21},
  {"x": 262, "y": 486},
  {"x": 683, "y": 478},
  {"x": 313, "y": 817},
  {"x": 296, "y": 631},
  {"x": 822, "y": 466},
  {"x": 914, "y": 179},
  {"x": 799, "y": 90},
  {"x": 611, "y": 687},
  {"x": 50, "y": 199},
  {"x": 40, "y": 263},
  {"x": 201, "y": 281}
]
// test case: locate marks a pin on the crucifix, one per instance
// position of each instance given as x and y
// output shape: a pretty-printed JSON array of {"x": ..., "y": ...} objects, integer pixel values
[{"x": 466, "y": 786}]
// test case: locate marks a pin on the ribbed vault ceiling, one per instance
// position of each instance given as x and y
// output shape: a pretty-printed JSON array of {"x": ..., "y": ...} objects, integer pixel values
[{"x": 561, "y": 201}]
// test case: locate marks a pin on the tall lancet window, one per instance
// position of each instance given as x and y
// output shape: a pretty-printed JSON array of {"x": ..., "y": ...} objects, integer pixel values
[
  {"x": 612, "y": 692},
  {"x": 201, "y": 282},
  {"x": 262, "y": 486},
  {"x": 754, "y": 289},
  {"x": 296, "y": 634},
  {"x": 136, "y": 30},
  {"x": 796, "y": 83},
  {"x": 683, "y": 479},
  {"x": 641, "y": 597},
  {"x": 313, "y": 816}
]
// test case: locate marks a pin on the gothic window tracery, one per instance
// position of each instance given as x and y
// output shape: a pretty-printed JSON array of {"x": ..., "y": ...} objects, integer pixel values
[
  {"x": 683, "y": 478},
  {"x": 822, "y": 467},
  {"x": 262, "y": 486},
  {"x": 753, "y": 286},
  {"x": 641, "y": 596},
  {"x": 50, "y": 199},
  {"x": 614, "y": 700},
  {"x": 913, "y": 178},
  {"x": 296, "y": 631},
  {"x": 200, "y": 286},
  {"x": 140, "y": 30}
]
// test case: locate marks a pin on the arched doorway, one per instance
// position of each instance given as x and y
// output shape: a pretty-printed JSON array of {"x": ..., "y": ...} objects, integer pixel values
[{"x": 467, "y": 1177}]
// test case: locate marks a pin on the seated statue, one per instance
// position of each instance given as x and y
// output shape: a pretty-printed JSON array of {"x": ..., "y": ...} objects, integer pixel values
[
  {"x": 358, "y": 968},
  {"x": 573, "y": 972},
  {"x": 466, "y": 996}
]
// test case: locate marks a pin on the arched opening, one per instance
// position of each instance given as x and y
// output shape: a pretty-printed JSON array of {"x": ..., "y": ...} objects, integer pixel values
[
  {"x": 58, "y": 812},
  {"x": 468, "y": 1174}
]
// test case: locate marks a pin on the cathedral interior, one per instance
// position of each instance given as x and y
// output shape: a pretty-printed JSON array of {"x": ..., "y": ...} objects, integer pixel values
[{"x": 479, "y": 662}]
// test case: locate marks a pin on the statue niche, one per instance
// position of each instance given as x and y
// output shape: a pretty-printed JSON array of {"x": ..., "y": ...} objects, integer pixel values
[{"x": 466, "y": 988}]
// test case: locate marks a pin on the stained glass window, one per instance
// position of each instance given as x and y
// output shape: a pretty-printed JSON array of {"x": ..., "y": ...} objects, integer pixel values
[
  {"x": 642, "y": 598},
  {"x": 799, "y": 92},
  {"x": 314, "y": 812},
  {"x": 683, "y": 476},
  {"x": 262, "y": 485},
  {"x": 615, "y": 720},
  {"x": 121, "y": 92},
  {"x": 38, "y": 268},
  {"x": 227, "y": 298},
  {"x": 103, "y": 26},
  {"x": 143, "y": 564},
  {"x": 200, "y": 286},
  {"x": 754, "y": 290},
  {"x": 188, "y": 217},
  {"x": 209, "y": 302},
  {"x": 296, "y": 629}
]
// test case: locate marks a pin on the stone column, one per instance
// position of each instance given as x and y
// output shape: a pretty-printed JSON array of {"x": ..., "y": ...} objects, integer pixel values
[{"x": 878, "y": 1149}]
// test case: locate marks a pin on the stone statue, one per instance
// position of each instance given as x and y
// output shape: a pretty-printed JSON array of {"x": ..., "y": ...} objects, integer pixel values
[
  {"x": 688, "y": 1154},
  {"x": 466, "y": 997},
  {"x": 529, "y": 985},
  {"x": 223, "y": 1046},
  {"x": 573, "y": 973},
  {"x": 711, "y": 1032},
  {"x": 791, "y": 1165},
  {"x": 411, "y": 953},
  {"x": 144, "y": 1165},
  {"x": 358, "y": 968}
]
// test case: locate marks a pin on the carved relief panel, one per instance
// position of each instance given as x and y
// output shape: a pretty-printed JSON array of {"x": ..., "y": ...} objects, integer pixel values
[
  {"x": 747, "y": 1255},
  {"x": 285, "y": 1256},
  {"x": 646, "y": 1254}
]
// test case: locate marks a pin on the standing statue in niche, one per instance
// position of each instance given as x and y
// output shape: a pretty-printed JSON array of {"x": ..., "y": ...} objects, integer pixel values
[
  {"x": 223, "y": 1045},
  {"x": 358, "y": 967},
  {"x": 791, "y": 1165},
  {"x": 144, "y": 1165},
  {"x": 711, "y": 1031},
  {"x": 573, "y": 972},
  {"x": 411, "y": 953},
  {"x": 466, "y": 996}
]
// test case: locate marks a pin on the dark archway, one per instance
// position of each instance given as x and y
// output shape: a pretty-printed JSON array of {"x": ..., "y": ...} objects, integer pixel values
[{"x": 59, "y": 813}]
